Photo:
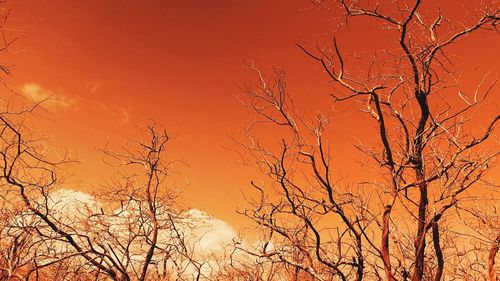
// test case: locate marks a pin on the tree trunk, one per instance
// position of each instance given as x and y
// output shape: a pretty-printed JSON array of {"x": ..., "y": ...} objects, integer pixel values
[
  {"x": 418, "y": 161},
  {"x": 418, "y": 273},
  {"x": 386, "y": 257},
  {"x": 491, "y": 259},
  {"x": 439, "y": 251}
]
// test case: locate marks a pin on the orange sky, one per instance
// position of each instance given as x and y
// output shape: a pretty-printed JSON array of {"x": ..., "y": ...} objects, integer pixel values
[{"x": 117, "y": 63}]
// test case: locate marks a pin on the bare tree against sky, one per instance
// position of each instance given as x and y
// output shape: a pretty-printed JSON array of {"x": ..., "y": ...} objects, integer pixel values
[
  {"x": 428, "y": 211},
  {"x": 122, "y": 243},
  {"x": 431, "y": 155}
]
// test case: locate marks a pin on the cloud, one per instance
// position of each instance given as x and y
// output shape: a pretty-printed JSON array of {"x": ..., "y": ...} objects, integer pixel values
[
  {"x": 125, "y": 115},
  {"x": 47, "y": 98},
  {"x": 120, "y": 114},
  {"x": 211, "y": 234},
  {"x": 206, "y": 236},
  {"x": 72, "y": 202},
  {"x": 210, "y": 241},
  {"x": 94, "y": 86}
]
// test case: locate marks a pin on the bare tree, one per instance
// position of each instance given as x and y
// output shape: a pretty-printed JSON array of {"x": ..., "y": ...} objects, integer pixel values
[
  {"x": 428, "y": 155},
  {"x": 145, "y": 230},
  {"x": 149, "y": 213},
  {"x": 300, "y": 169}
]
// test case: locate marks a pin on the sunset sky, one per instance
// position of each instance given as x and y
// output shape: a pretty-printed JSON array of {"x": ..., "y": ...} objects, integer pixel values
[{"x": 115, "y": 65}]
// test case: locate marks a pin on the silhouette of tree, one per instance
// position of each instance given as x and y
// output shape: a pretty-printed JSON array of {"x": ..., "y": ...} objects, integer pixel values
[{"x": 429, "y": 155}]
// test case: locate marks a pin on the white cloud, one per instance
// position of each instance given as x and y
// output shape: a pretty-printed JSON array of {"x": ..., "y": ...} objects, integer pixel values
[
  {"x": 76, "y": 203},
  {"x": 211, "y": 234},
  {"x": 48, "y": 99},
  {"x": 207, "y": 237},
  {"x": 209, "y": 240},
  {"x": 72, "y": 198}
]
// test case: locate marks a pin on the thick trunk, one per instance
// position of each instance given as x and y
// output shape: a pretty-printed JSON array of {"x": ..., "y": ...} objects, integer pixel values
[
  {"x": 361, "y": 259},
  {"x": 418, "y": 161},
  {"x": 491, "y": 259},
  {"x": 439, "y": 252},
  {"x": 154, "y": 237},
  {"x": 386, "y": 257},
  {"x": 420, "y": 239}
]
